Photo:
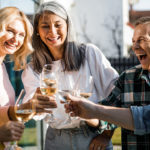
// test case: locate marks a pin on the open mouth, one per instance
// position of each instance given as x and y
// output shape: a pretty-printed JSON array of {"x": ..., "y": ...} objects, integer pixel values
[
  {"x": 141, "y": 56},
  {"x": 8, "y": 45}
]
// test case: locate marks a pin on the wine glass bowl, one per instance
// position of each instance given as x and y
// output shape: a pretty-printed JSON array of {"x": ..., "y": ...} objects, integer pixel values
[
  {"x": 24, "y": 114},
  {"x": 86, "y": 89},
  {"x": 48, "y": 87}
]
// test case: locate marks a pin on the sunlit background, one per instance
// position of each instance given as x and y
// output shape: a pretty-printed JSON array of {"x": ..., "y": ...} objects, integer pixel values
[{"x": 109, "y": 24}]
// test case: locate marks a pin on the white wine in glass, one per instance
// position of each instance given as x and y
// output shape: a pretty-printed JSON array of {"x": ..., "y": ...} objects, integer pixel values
[
  {"x": 24, "y": 115},
  {"x": 85, "y": 95},
  {"x": 86, "y": 90},
  {"x": 49, "y": 87}
]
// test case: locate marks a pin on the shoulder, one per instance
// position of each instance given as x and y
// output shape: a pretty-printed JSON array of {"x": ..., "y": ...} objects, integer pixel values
[
  {"x": 91, "y": 47},
  {"x": 131, "y": 73},
  {"x": 93, "y": 50},
  {"x": 29, "y": 71}
]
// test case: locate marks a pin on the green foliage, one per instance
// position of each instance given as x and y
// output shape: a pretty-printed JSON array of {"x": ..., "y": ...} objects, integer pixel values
[
  {"x": 28, "y": 138},
  {"x": 116, "y": 139}
]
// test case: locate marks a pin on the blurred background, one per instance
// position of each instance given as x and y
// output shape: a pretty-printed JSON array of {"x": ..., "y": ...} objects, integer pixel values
[{"x": 107, "y": 24}]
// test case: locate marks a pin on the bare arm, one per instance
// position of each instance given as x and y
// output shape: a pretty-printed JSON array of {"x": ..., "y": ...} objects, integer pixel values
[
  {"x": 119, "y": 116},
  {"x": 86, "y": 109}
]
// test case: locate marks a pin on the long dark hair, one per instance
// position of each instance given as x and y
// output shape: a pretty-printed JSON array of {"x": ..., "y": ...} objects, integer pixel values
[{"x": 74, "y": 53}]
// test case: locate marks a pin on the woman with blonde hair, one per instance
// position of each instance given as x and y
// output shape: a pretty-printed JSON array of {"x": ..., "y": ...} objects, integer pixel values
[{"x": 15, "y": 40}]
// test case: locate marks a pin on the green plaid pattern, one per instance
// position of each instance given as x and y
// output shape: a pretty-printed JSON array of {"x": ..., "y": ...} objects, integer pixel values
[{"x": 132, "y": 88}]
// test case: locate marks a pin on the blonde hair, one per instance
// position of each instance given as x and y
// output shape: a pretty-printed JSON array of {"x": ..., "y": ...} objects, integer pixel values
[{"x": 8, "y": 15}]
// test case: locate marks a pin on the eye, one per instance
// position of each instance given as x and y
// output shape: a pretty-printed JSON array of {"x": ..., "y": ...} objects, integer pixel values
[
  {"x": 10, "y": 31},
  {"x": 58, "y": 25},
  {"x": 22, "y": 35},
  {"x": 141, "y": 40},
  {"x": 44, "y": 26}
]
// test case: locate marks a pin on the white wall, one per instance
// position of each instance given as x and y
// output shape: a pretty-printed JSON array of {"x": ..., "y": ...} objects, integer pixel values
[
  {"x": 27, "y": 6},
  {"x": 99, "y": 22}
]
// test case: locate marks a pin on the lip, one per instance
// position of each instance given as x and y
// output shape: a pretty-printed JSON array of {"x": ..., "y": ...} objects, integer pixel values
[
  {"x": 53, "y": 40},
  {"x": 9, "y": 46}
]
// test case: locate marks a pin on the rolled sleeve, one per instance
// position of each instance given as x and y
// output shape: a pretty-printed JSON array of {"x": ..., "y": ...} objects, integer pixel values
[{"x": 141, "y": 119}]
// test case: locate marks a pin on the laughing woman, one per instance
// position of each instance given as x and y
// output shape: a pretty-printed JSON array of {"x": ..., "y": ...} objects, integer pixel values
[
  {"x": 15, "y": 36},
  {"x": 15, "y": 40},
  {"x": 54, "y": 43}
]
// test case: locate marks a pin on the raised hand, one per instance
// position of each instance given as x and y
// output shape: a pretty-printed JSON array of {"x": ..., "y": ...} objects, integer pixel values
[{"x": 41, "y": 103}]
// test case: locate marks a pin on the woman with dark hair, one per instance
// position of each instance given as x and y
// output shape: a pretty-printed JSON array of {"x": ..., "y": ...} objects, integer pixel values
[{"x": 54, "y": 43}]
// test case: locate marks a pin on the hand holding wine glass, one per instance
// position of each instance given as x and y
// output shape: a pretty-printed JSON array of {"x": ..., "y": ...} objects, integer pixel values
[{"x": 23, "y": 113}]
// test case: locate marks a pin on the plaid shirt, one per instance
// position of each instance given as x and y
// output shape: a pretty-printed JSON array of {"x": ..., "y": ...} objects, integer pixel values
[{"x": 132, "y": 88}]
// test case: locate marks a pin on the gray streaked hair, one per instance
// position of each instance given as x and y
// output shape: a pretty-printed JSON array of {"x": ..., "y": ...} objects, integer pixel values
[{"x": 74, "y": 53}]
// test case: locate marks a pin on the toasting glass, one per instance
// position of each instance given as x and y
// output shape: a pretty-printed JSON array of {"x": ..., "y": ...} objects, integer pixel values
[
  {"x": 48, "y": 83},
  {"x": 23, "y": 114},
  {"x": 86, "y": 89}
]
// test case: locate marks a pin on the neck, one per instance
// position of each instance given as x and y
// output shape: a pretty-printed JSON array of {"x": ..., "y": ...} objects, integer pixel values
[{"x": 57, "y": 53}]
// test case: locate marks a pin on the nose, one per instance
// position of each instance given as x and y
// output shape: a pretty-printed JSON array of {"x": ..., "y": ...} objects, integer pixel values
[
  {"x": 15, "y": 39},
  {"x": 136, "y": 46},
  {"x": 52, "y": 30}
]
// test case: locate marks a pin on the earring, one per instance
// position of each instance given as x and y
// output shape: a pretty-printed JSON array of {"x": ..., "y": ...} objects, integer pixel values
[{"x": 37, "y": 34}]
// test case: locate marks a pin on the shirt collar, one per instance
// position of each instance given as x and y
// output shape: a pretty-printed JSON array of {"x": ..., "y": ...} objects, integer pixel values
[{"x": 145, "y": 76}]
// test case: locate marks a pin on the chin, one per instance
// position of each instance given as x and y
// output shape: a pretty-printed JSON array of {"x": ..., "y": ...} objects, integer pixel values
[
  {"x": 145, "y": 67},
  {"x": 10, "y": 51}
]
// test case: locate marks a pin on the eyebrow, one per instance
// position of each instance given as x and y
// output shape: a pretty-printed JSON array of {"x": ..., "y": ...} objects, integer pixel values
[
  {"x": 8, "y": 27},
  {"x": 43, "y": 22}
]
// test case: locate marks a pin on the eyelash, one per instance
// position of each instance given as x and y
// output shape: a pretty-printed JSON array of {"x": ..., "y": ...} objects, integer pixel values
[
  {"x": 46, "y": 26},
  {"x": 10, "y": 31}
]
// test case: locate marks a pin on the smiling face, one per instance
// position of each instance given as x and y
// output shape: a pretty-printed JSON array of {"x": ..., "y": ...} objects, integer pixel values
[
  {"x": 141, "y": 44},
  {"x": 52, "y": 30},
  {"x": 12, "y": 38}
]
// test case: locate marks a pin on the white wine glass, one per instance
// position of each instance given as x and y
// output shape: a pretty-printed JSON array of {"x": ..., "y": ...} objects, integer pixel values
[
  {"x": 65, "y": 87},
  {"x": 23, "y": 114},
  {"x": 62, "y": 96},
  {"x": 86, "y": 89},
  {"x": 48, "y": 83}
]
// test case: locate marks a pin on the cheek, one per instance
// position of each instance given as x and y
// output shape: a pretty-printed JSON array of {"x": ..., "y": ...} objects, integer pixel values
[
  {"x": 5, "y": 38},
  {"x": 21, "y": 42},
  {"x": 64, "y": 32},
  {"x": 148, "y": 50}
]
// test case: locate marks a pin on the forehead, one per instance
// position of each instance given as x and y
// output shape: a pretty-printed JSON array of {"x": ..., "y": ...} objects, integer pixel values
[
  {"x": 142, "y": 30},
  {"x": 17, "y": 25},
  {"x": 49, "y": 16}
]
